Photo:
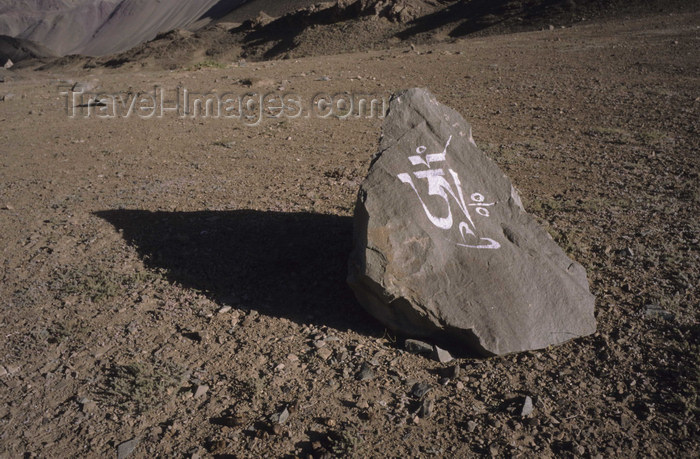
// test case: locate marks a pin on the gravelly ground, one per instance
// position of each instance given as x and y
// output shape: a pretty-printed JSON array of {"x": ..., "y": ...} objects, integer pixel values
[{"x": 143, "y": 260}]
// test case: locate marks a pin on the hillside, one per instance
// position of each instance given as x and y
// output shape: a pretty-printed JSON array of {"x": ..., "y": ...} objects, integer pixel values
[
  {"x": 101, "y": 27},
  {"x": 251, "y": 33},
  {"x": 19, "y": 50}
]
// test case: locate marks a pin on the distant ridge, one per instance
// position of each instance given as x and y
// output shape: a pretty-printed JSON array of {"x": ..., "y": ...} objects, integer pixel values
[
  {"x": 158, "y": 34},
  {"x": 101, "y": 27},
  {"x": 18, "y": 50}
]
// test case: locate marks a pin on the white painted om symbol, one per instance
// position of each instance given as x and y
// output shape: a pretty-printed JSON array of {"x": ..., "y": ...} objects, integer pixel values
[{"x": 439, "y": 186}]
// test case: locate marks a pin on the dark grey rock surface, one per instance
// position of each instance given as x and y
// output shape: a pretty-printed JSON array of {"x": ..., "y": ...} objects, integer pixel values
[{"x": 444, "y": 249}]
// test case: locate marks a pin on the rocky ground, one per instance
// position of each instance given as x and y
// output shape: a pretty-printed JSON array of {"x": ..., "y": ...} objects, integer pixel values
[{"x": 176, "y": 286}]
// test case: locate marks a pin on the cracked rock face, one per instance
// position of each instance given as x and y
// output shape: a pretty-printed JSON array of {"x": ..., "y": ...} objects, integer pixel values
[{"x": 444, "y": 249}]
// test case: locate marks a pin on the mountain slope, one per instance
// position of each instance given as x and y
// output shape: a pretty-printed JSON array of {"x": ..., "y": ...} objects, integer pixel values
[
  {"x": 18, "y": 49},
  {"x": 102, "y": 27},
  {"x": 358, "y": 25},
  {"x": 62, "y": 26}
]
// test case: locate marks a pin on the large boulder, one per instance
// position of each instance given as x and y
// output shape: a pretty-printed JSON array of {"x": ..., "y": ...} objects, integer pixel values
[{"x": 444, "y": 249}]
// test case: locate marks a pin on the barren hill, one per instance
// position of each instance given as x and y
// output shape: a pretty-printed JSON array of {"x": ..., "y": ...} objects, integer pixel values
[
  {"x": 17, "y": 50},
  {"x": 104, "y": 26},
  {"x": 172, "y": 34},
  {"x": 356, "y": 25}
]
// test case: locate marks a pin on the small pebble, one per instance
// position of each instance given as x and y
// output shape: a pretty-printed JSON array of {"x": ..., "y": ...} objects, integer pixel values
[
  {"x": 418, "y": 347},
  {"x": 453, "y": 371},
  {"x": 201, "y": 390},
  {"x": 324, "y": 353},
  {"x": 419, "y": 389},
  {"x": 441, "y": 355},
  {"x": 12, "y": 369},
  {"x": 366, "y": 373},
  {"x": 126, "y": 448},
  {"x": 281, "y": 417},
  {"x": 426, "y": 408}
]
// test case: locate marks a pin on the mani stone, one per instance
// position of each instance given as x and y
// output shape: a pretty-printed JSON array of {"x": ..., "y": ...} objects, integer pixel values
[{"x": 443, "y": 248}]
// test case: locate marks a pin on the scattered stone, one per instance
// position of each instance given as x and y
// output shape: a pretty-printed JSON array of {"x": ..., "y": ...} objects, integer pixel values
[
  {"x": 471, "y": 426},
  {"x": 281, "y": 417},
  {"x": 3, "y": 371},
  {"x": 126, "y": 448},
  {"x": 453, "y": 371},
  {"x": 625, "y": 421},
  {"x": 366, "y": 372},
  {"x": 551, "y": 27},
  {"x": 442, "y": 355},
  {"x": 459, "y": 385},
  {"x": 8, "y": 96},
  {"x": 201, "y": 390},
  {"x": 419, "y": 389},
  {"x": 87, "y": 405},
  {"x": 444, "y": 381},
  {"x": 224, "y": 309},
  {"x": 527, "y": 407},
  {"x": 656, "y": 311},
  {"x": 443, "y": 247},
  {"x": 362, "y": 404},
  {"x": 426, "y": 408},
  {"x": 8, "y": 64},
  {"x": 324, "y": 353},
  {"x": 418, "y": 347},
  {"x": 292, "y": 358},
  {"x": 12, "y": 369}
]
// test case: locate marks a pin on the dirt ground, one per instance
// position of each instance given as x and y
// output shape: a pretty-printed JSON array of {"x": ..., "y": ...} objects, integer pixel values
[{"x": 180, "y": 282}]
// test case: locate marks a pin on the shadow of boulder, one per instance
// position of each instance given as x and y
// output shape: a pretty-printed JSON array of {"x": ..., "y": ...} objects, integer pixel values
[{"x": 290, "y": 265}]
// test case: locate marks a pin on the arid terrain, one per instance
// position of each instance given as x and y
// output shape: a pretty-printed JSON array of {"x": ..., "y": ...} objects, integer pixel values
[{"x": 176, "y": 284}]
